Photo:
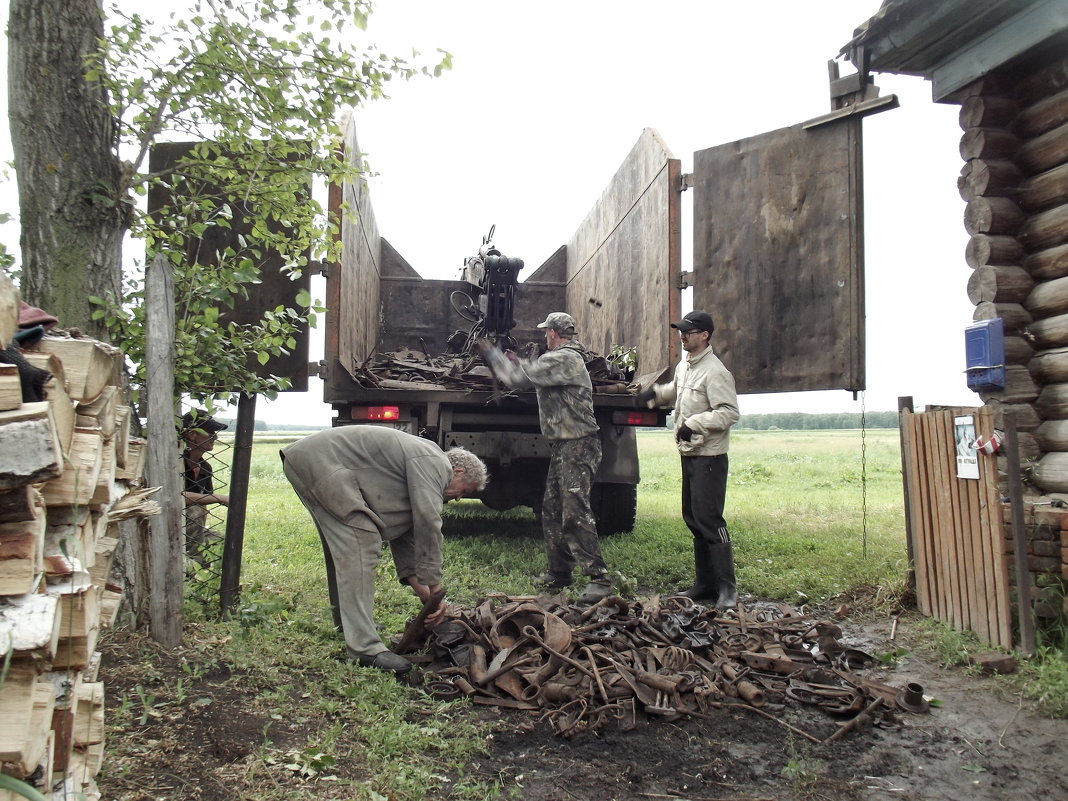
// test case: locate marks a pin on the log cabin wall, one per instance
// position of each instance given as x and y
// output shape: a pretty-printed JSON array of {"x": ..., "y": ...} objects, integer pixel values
[{"x": 1015, "y": 184}]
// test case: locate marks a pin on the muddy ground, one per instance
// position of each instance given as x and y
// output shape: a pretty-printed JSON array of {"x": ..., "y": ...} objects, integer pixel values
[{"x": 976, "y": 743}]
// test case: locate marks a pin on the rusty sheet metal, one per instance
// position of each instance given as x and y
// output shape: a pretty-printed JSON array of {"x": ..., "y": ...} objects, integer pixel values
[
  {"x": 624, "y": 259},
  {"x": 276, "y": 288},
  {"x": 778, "y": 257},
  {"x": 583, "y": 667}
]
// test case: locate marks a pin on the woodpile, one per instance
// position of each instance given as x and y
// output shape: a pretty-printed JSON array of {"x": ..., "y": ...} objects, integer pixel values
[{"x": 68, "y": 472}]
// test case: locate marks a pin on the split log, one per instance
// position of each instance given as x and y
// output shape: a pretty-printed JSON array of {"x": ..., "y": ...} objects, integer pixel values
[
  {"x": 1014, "y": 315},
  {"x": 981, "y": 178},
  {"x": 984, "y": 111},
  {"x": 89, "y": 714},
  {"x": 57, "y": 393},
  {"x": 79, "y": 613},
  {"x": 106, "y": 491},
  {"x": 33, "y": 623},
  {"x": 1050, "y": 366},
  {"x": 988, "y": 143},
  {"x": 10, "y": 388},
  {"x": 16, "y": 712},
  {"x": 1052, "y": 435},
  {"x": 21, "y": 503},
  {"x": 992, "y": 216},
  {"x": 1018, "y": 350},
  {"x": 1045, "y": 190},
  {"x": 983, "y": 250},
  {"x": 90, "y": 365},
  {"x": 1043, "y": 116},
  {"x": 134, "y": 468},
  {"x": 1000, "y": 285},
  {"x": 9, "y": 310},
  {"x": 31, "y": 452},
  {"x": 1051, "y": 472},
  {"x": 1049, "y": 332},
  {"x": 21, "y": 555},
  {"x": 1050, "y": 263},
  {"x": 1027, "y": 418},
  {"x": 122, "y": 435},
  {"x": 1046, "y": 229},
  {"x": 75, "y": 487},
  {"x": 1020, "y": 387},
  {"x": 102, "y": 410},
  {"x": 1052, "y": 402},
  {"x": 1044, "y": 152}
]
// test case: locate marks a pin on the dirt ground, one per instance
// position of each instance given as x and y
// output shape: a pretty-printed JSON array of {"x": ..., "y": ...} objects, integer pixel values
[{"x": 975, "y": 743}]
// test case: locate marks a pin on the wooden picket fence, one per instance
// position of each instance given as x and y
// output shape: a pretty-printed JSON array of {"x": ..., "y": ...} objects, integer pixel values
[{"x": 955, "y": 527}]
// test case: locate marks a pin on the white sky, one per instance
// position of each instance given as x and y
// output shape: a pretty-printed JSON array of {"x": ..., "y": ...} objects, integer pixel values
[{"x": 546, "y": 99}]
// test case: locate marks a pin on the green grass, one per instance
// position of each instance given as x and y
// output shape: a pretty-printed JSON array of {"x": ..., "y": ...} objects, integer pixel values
[{"x": 813, "y": 515}]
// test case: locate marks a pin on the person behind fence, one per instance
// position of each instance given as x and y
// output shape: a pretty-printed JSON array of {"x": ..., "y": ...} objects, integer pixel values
[
  {"x": 199, "y": 432},
  {"x": 565, "y": 410},
  {"x": 706, "y": 406},
  {"x": 363, "y": 484}
]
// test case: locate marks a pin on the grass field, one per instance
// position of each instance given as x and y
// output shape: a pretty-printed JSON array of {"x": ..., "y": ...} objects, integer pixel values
[{"x": 814, "y": 515}]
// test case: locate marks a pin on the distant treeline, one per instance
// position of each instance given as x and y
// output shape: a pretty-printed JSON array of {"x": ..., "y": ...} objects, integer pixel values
[{"x": 799, "y": 421}]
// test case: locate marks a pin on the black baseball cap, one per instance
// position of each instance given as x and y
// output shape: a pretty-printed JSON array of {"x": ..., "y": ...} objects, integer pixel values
[
  {"x": 197, "y": 419},
  {"x": 696, "y": 320}
]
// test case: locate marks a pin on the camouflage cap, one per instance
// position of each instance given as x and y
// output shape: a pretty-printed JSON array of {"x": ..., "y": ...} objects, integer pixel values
[{"x": 560, "y": 322}]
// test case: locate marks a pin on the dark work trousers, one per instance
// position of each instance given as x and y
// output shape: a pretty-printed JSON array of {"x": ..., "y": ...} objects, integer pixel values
[
  {"x": 568, "y": 524},
  {"x": 704, "y": 491}
]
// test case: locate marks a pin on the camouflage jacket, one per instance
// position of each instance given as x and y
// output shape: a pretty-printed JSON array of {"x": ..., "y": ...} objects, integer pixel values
[{"x": 562, "y": 383}]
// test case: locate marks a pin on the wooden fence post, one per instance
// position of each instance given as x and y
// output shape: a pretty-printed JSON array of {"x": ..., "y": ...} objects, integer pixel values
[{"x": 165, "y": 550}]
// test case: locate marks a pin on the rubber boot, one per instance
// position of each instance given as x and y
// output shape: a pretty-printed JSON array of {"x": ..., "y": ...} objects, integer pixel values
[
  {"x": 722, "y": 565},
  {"x": 705, "y": 586}
]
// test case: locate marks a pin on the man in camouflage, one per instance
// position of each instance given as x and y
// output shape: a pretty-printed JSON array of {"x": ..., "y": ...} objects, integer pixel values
[{"x": 565, "y": 409}]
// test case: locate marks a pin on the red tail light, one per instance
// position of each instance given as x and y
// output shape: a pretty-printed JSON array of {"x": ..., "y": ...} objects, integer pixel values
[
  {"x": 622, "y": 418},
  {"x": 376, "y": 413}
]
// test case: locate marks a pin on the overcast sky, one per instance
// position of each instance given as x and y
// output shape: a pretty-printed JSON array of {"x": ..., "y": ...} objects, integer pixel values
[{"x": 545, "y": 100}]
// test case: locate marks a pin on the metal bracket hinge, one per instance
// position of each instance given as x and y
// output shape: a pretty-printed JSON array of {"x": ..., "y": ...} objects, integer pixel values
[
  {"x": 319, "y": 268},
  {"x": 317, "y": 369},
  {"x": 685, "y": 181},
  {"x": 685, "y": 280}
]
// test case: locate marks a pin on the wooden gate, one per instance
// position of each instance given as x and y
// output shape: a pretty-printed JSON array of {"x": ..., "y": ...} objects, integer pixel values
[{"x": 956, "y": 535}]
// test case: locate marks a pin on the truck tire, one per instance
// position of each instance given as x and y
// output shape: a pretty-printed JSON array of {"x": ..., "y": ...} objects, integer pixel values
[{"x": 615, "y": 507}]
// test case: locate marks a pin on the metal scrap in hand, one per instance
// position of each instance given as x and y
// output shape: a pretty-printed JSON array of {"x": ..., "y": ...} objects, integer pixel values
[{"x": 585, "y": 667}]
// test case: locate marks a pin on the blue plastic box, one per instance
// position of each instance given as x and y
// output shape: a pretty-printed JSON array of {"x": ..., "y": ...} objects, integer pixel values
[{"x": 984, "y": 353}]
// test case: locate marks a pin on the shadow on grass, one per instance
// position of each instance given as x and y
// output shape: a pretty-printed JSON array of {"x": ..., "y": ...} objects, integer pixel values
[{"x": 470, "y": 518}]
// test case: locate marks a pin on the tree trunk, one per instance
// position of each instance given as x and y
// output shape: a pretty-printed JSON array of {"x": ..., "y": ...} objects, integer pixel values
[{"x": 70, "y": 181}]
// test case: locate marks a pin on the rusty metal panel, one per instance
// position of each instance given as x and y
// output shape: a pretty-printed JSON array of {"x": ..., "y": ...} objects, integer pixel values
[
  {"x": 778, "y": 257},
  {"x": 623, "y": 262},
  {"x": 276, "y": 287},
  {"x": 357, "y": 317}
]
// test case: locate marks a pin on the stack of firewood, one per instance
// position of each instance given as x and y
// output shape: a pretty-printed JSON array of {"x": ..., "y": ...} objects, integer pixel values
[{"x": 69, "y": 470}]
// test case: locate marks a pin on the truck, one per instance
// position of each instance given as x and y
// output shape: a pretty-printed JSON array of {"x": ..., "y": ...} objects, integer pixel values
[{"x": 617, "y": 276}]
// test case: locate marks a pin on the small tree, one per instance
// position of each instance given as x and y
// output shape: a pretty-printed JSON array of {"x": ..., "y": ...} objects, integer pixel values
[{"x": 263, "y": 80}]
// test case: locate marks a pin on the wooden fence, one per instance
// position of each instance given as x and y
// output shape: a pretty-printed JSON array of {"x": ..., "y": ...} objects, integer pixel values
[{"x": 956, "y": 535}]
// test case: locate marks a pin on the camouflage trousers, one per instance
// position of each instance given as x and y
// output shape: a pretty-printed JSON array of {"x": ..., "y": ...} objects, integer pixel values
[{"x": 567, "y": 521}]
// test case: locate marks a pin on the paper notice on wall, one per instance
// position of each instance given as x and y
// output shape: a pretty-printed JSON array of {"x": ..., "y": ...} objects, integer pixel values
[{"x": 967, "y": 458}]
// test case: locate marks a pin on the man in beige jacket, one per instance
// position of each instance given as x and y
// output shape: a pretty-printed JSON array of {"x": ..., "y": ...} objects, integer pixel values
[
  {"x": 364, "y": 484},
  {"x": 706, "y": 406}
]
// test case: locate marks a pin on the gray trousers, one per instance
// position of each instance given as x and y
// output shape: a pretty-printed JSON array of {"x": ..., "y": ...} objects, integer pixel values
[{"x": 353, "y": 554}]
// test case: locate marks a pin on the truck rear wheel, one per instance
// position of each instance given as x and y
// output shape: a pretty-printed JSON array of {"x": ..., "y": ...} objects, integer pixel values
[{"x": 615, "y": 507}]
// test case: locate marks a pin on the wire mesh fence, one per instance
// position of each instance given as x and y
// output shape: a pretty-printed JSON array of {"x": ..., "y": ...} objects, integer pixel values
[{"x": 205, "y": 488}]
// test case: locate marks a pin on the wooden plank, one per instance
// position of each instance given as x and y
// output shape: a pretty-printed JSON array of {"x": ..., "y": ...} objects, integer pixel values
[
  {"x": 918, "y": 509},
  {"x": 927, "y": 456},
  {"x": 778, "y": 235},
  {"x": 975, "y": 581},
  {"x": 624, "y": 258},
  {"x": 945, "y": 468},
  {"x": 986, "y": 583},
  {"x": 946, "y": 443},
  {"x": 9, "y": 309},
  {"x": 995, "y": 545},
  {"x": 10, "y": 387}
]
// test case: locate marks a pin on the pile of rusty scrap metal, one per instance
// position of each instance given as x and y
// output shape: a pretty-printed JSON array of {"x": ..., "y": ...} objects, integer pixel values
[
  {"x": 585, "y": 667},
  {"x": 419, "y": 370}
]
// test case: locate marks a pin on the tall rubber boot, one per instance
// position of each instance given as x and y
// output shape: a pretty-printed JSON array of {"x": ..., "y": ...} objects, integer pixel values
[
  {"x": 721, "y": 556},
  {"x": 705, "y": 587}
]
